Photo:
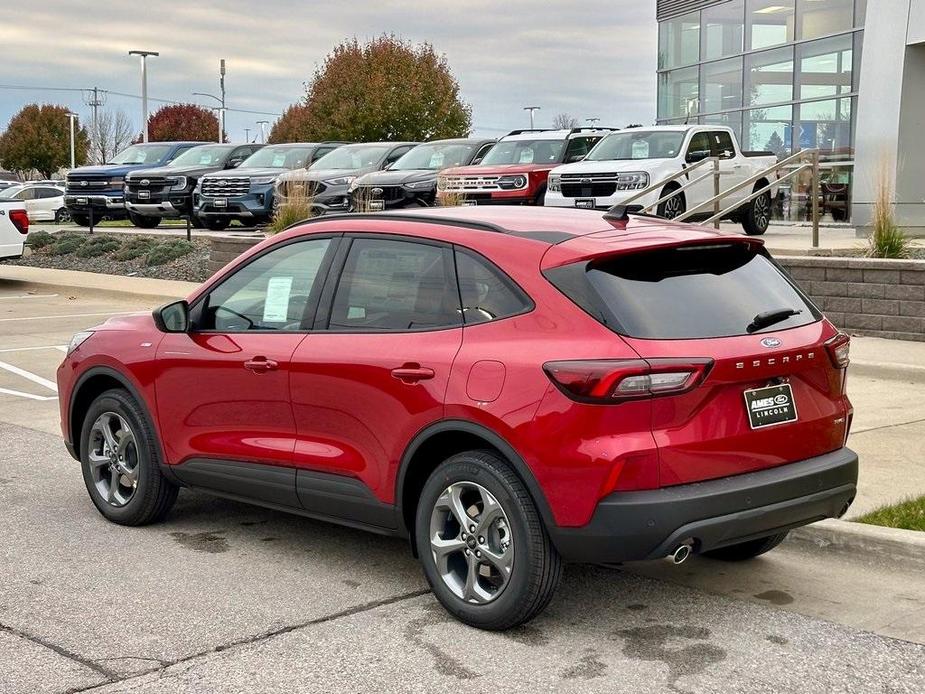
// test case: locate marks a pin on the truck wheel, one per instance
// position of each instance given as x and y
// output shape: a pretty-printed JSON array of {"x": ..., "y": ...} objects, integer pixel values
[
  {"x": 62, "y": 216},
  {"x": 672, "y": 207},
  {"x": 757, "y": 215},
  {"x": 482, "y": 543},
  {"x": 81, "y": 220},
  {"x": 746, "y": 550},
  {"x": 143, "y": 221},
  {"x": 120, "y": 461}
]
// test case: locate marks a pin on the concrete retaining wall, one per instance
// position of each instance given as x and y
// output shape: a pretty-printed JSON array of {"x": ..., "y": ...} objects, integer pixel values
[{"x": 885, "y": 298}]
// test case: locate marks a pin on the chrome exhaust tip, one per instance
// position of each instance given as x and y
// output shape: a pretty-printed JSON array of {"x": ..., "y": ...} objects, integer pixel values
[{"x": 680, "y": 555}]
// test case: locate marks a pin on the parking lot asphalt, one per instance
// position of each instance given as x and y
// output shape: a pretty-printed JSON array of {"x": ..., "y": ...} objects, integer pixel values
[{"x": 226, "y": 597}]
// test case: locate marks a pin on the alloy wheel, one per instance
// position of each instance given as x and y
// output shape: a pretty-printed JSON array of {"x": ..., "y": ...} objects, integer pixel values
[
  {"x": 471, "y": 542},
  {"x": 762, "y": 211},
  {"x": 113, "y": 457},
  {"x": 674, "y": 206}
]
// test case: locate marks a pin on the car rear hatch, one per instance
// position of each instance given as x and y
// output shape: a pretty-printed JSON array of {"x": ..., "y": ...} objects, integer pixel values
[{"x": 767, "y": 372}]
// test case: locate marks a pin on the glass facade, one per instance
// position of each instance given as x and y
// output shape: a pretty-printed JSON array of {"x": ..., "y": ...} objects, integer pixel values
[{"x": 781, "y": 73}]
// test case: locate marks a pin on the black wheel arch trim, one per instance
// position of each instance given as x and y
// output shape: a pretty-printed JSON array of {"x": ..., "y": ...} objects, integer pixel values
[{"x": 506, "y": 449}]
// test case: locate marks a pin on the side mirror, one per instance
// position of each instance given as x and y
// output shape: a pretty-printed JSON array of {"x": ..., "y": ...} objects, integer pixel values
[
  {"x": 576, "y": 157},
  {"x": 173, "y": 317},
  {"x": 697, "y": 155},
  {"x": 233, "y": 163}
]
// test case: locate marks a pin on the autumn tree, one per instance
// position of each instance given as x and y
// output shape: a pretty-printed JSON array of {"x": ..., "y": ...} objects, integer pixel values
[
  {"x": 292, "y": 126},
  {"x": 386, "y": 89},
  {"x": 39, "y": 138},
  {"x": 564, "y": 121},
  {"x": 182, "y": 122}
]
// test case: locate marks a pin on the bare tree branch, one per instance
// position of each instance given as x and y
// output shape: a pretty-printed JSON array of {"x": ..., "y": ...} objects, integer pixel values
[
  {"x": 113, "y": 134},
  {"x": 564, "y": 121}
]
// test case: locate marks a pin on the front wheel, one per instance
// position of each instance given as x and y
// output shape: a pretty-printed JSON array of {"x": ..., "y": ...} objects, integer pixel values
[
  {"x": 482, "y": 543},
  {"x": 215, "y": 223},
  {"x": 757, "y": 215},
  {"x": 143, "y": 221},
  {"x": 747, "y": 550},
  {"x": 674, "y": 206},
  {"x": 62, "y": 216}
]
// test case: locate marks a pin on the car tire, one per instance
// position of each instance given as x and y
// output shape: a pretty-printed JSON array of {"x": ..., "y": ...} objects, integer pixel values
[
  {"x": 143, "y": 221},
  {"x": 81, "y": 220},
  {"x": 195, "y": 222},
  {"x": 672, "y": 207},
  {"x": 488, "y": 594},
  {"x": 757, "y": 215},
  {"x": 121, "y": 470},
  {"x": 62, "y": 216},
  {"x": 747, "y": 550}
]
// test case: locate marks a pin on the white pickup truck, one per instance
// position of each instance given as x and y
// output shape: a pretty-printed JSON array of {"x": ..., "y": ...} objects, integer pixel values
[
  {"x": 625, "y": 162},
  {"x": 14, "y": 225}
]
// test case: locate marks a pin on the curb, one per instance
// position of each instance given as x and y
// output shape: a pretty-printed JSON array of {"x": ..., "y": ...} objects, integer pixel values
[
  {"x": 872, "y": 542},
  {"x": 98, "y": 283}
]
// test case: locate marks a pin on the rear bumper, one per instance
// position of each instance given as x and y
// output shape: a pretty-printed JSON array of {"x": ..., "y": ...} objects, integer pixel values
[{"x": 629, "y": 526}]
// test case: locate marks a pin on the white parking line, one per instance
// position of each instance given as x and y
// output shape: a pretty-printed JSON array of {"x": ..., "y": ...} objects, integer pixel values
[
  {"x": 29, "y": 296},
  {"x": 28, "y": 375},
  {"x": 28, "y": 396},
  {"x": 60, "y": 348},
  {"x": 71, "y": 315}
]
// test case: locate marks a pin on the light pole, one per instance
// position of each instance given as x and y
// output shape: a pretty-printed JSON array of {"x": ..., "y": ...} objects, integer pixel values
[
  {"x": 221, "y": 114},
  {"x": 531, "y": 109},
  {"x": 247, "y": 135},
  {"x": 144, "y": 89},
  {"x": 71, "y": 117},
  {"x": 263, "y": 130},
  {"x": 593, "y": 121}
]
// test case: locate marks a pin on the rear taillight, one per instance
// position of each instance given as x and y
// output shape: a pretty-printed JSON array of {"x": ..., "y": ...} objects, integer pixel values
[
  {"x": 20, "y": 220},
  {"x": 609, "y": 381},
  {"x": 838, "y": 348}
]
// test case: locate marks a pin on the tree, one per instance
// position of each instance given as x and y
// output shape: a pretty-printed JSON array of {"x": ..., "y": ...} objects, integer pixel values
[
  {"x": 113, "y": 134},
  {"x": 386, "y": 89},
  {"x": 38, "y": 139},
  {"x": 183, "y": 122},
  {"x": 292, "y": 126},
  {"x": 564, "y": 121}
]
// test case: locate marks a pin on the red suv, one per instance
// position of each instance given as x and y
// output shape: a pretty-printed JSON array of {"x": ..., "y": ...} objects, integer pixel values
[{"x": 510, "y": 388}]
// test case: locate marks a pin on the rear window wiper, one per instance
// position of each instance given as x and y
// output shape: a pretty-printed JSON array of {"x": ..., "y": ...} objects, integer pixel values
[{"x": 768, "y": 318}]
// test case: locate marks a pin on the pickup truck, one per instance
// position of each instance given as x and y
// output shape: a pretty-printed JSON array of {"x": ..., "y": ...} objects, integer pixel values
[
  {"x": 623, "y": 163},
  {"x": 14, "y": 226},
  {"x": 99, "y": 190}
]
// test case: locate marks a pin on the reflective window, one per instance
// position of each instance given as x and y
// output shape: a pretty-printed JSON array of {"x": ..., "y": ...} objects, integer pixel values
[
  {"x": 721, "y": 29},
  {"x": 732, "y": 120},
  {"x": 769, "y": 23},
  {"x": 679, "y": 41},
  {"x": 826, "y": 125},
  {"x": 769, "y": 129},
  {"x": 769, "y": 77},
  {"x": 721, "y": 85},
  {"x": 825, "y": 67},
  {"x": 487, "y": 294},
  {"x": 823, "y": 17},
  {"x": 677, "y": 92}
]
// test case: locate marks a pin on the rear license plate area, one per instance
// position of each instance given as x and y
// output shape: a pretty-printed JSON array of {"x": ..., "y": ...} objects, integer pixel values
[{"x": 769, "y": 406}]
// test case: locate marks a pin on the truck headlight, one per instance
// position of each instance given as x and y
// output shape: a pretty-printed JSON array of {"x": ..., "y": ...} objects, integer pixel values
[
  {"x": 632, "y": 180},
  {"x": 554, "y": 183},
  {"x": 262, "y": 180},
  {"x": 512, "y": 182},
  {"x": 341, "y": 181},
  {"x": 179, "y": 183},
  {"x": 419, "y": 185}
]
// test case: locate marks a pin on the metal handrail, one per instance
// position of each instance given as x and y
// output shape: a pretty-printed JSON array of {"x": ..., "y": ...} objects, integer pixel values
[
  {"x": 758, "y": 192},
  {"x": 659, "y": 185}
]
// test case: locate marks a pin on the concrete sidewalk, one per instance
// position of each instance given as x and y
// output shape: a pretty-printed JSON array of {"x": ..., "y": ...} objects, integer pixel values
[
  {"x": 796, "y": 239},
  {"x": 23, "y": 277}
]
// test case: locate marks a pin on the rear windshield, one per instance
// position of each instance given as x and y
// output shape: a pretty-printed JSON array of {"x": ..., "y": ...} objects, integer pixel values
[{"x": 693, "y": 292}]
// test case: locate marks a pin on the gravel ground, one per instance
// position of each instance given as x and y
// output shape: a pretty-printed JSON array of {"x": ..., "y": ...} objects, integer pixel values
[{"x": 192, "y": 267}]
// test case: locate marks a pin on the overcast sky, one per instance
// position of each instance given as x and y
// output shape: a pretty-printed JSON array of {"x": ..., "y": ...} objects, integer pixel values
[{"x": 594, "y": 58}]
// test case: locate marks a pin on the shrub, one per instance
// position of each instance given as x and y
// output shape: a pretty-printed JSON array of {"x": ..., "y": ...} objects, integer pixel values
[
  {"x": 167, "y": 251},
  {"x": 67, "y": 243},
  {"x": 40, "y": 239},
  {"x": 294, "y": 205},
  {"x": 451, "y": 199},
  {"x": 135, "y": 248},
  {"x": 98, "y": 245},
  {"x": 886, "y": 239}
]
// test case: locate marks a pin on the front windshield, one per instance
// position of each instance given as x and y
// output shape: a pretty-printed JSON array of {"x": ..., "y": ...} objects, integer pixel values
[
  {"x": 638, "y": 144},
  {"x": 278, "y": 158},
  {"x": 352, "y": 157},
  {"x": 141, "y": 154},
  {"x": 206, "y": 155},
  {"x": 10, "y": 192},
  {"x": 434, "y": 157},
  {"x": 525, "y": 152}
]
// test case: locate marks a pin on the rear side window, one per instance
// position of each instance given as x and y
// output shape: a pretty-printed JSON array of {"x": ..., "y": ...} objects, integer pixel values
[
  {"x": 395, "y": 286},
  {"x": 693, "y": 292},
  {"x": 487, "y": 293}
]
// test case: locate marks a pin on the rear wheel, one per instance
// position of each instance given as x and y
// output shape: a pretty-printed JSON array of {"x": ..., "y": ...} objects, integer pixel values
[
  {"x": 757, "y": 215},
  {"x": 121, "y": 464},
  {"x": 482, "y": 543},
  {"x": 747, "y": 550},
  {"x": 674, "y": 206},
  {"x": 62, "y": 216},
  {"x": 143, "y": 221}
]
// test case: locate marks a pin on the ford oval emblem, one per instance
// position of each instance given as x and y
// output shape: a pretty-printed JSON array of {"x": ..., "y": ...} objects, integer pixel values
[
  {"x": 83, "y": 184},
  {"x": 770, "y": 342},
  {"x": 377, "y": 191},
  {"x": 144, "y": 182}
]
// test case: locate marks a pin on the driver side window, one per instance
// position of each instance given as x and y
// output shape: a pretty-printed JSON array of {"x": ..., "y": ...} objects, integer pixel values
[
  {"x": 699, "y": 148},
  {"x": 270, "y": 293}
]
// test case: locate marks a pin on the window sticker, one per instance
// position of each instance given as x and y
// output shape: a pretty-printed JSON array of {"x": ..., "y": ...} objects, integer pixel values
[{"x": 276, "y": 307}]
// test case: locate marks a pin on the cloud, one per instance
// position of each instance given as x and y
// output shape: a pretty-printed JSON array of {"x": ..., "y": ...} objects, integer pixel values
[{"x": 596, "y": 58}]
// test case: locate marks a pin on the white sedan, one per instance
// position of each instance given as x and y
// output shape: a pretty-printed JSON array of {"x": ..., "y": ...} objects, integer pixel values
[{"x": 43, "y": 202}]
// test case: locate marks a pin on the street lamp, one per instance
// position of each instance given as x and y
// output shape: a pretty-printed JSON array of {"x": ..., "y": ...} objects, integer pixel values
[
  {"x": 144, "y": 89},
  {"x": 221, "y": 113},
  {"x": 71, "y": 117},
  {"x": 263, "y": 130},
  {"x": 593, "y": 121},
  {"x": 531, "y": 109}
]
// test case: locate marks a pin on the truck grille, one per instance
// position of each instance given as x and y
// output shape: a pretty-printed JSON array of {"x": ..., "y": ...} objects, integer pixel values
[
  {"x": 225, "y": 187},
  {"x": 76, "y": 185},
  {"x": 154, "y": 184},
  {"x": 389, "y": 193},
  {"x": 464, "y": 184},
  {"x": 598, "y": 185}
]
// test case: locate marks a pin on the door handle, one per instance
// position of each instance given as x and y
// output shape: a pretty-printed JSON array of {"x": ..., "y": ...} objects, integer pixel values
[
  {"x": 412, "y": 373},
  {"x": 260, "y": 365}
]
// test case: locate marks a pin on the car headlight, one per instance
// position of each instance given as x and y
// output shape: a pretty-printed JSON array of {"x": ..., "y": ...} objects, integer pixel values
[
  {"x": 262, "y": 180},
  {"x": 78, "y": 339},
  {"x": 632, "y": 180},
  {"x": 512, "y": 182},
  {"x": 179, "y": 183},
  {"x": 341, "y": 181},
  {"x": 419, "y": 185},
  {"x": 554, "y": 183}
]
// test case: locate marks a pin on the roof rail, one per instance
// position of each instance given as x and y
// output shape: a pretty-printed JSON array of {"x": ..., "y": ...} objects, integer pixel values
[
  {"x": 528, "y": 130},
  {"x": 405, "y": 217},
  {"x": 591, "y": 127}
]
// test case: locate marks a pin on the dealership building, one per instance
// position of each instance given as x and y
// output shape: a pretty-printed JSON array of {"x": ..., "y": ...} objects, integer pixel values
[{"x": 846, "y": 77}]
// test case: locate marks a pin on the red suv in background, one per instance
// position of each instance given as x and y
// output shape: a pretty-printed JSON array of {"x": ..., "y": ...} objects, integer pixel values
[
  {"x": 509, "y": 388},
  {"x": 514, "y": 171}
]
